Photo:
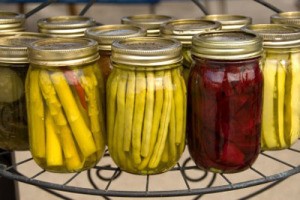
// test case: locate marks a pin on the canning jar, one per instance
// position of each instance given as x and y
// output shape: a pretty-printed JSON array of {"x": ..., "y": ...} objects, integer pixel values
[
  {"x": 225, "y": 101},
  {"x": 64, "y": 103},
  {"x": 65, "y": 26},
  {"x": 105, "y": 35},
  {"x": 150, "y": 22},
  {"x": 146, "y": 105},
  {"x": 13, "y": 69},
  {"x": 291, "y": 17},
  {"x": 281, "y": 70},
  {"x": 229, "y": 22},
  {"x": 183, "y": 30},
  {"x": 11, "y": 22}
]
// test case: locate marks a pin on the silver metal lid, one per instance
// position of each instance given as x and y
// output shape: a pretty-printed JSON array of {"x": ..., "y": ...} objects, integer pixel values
[
  {"x": 106, "y": 34},
  {"x": 146, "y": 51},
  {"x": 227, "y": 45}
]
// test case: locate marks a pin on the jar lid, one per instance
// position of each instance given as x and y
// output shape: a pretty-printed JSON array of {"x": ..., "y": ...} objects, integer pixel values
[
  {"x": 229, "y": 22},
  {"x": 13, "y": 48},
  {"x": 146, "y": 51},
  {"x": 150, "y": 22},
  {"x": 65, "y": 26},
  {"x": 56, "y": 52},
  {"x": 227, "y": 45},
  {"x": 12, "y": 22},
  {"x": 276, "y": 35},
  {"x": 106, "y": 34},
  {"x": 292, "y": 17},
  {"x": 184, "y": 29}
]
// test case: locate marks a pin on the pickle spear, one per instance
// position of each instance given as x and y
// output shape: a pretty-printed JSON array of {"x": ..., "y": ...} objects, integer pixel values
[
  {"x": 281, "y": 74},
  {"x": 294, "y": 105},
  {"x": 269, "y": 93}
]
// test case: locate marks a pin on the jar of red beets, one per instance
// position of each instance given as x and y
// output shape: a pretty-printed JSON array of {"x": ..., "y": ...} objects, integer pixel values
[{"x": 225, "y": 101}]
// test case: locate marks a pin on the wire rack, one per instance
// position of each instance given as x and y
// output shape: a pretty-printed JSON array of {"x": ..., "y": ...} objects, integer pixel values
[{"x": 102, "y": 178}]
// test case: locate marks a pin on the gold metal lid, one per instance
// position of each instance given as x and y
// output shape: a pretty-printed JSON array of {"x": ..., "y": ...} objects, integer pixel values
[
  {"x": 276, "y": 35},
  {"x": 13, "y": 48},
  {"x": 106, "y": 34},
  {"x": 146, "y": 51},
  {"x": 58, "y": 52},
  {"x": 229, "y": 22},
  {"x": 184, "y": 29},
  {"x": 292, "y": 17},
  {"x": 150, "y": 22},
  {"x": 227, "y": 45},
  {"x": 65, "y": 26},
  {"x": 11, "y": 22}
]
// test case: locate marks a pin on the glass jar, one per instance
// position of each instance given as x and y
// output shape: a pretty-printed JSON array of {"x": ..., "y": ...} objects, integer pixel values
[
  {"x": 292, "y": 18},
  {"x": 13, "y": 69},
  {"x": 183, "y": 30},
  {"x": 65, "y": 26},
  {"x": 229, "y": 22},
  {"x": 64, "y": 103},
  {"x": 11, "y": 22},
  {"x": 105, "y": 35},
  {"x": 281, "y": 69},
  {"x": 150, "y": 22},
  {"x": 146, "y": 105},
  {"x": 225, "y": 101}
]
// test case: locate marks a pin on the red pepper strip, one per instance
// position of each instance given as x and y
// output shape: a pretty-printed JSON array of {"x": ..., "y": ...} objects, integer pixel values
[{"x": 73, "y": 80}]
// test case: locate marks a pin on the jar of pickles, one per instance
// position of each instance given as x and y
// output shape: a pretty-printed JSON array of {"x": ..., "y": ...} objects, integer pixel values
[
  {"x": 225, "y": 101},
  {"x": 13, "y": 69},
  {"x": 150, "y": 22},
  {"x": 281, "y": 70},
  {"x": 64, "y": 91},
  {"x": 105, "y": 35},
  {"x": 229, "y": 22},
  {"x": 292, "y": 18},
  {"x": 65, "y": 26},
  {"x": 183, "y": 30},
  {"x": 146, "y": 105},
  {"x": 11, "y": 22}
]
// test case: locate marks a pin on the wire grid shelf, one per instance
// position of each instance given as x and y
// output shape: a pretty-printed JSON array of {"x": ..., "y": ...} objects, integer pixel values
[{"x": 102, "y": 178}]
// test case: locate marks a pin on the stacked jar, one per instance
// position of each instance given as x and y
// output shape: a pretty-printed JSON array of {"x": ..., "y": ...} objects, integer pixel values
[
  {"x": 105, "y": 35},
  {"x": 150, "y": 22},
  {"x": 146, "y": 105},
  {"x": 183, "y": 30},
  {"x": 281, "y": 69},
  {"x": 65, "y": 104},
  {"x": 13, "y": 69},
  {"x": 11, "y": 22},
  {"x": 229, "y": 22},
  {"x": 291, "y": 18},
  {"x": 225, "y": 101},
  {"x": 65, "y": 26}
]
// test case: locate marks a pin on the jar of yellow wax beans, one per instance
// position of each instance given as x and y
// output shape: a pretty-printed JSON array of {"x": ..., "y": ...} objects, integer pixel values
[{"x": 146, "y": 105}]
